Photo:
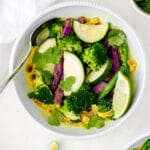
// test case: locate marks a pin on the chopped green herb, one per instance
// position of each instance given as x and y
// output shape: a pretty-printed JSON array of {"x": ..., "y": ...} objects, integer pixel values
[
  {"x": 42, "y": 93},
  {"x": 70, "y": 43},
  {"x": 104, "y": 105},
  {"x": 55, "y": 27},
  {"x": 52, "y": 55},
  {"x": 47, "y": 76},
  {"x": 67, "y": 84},
  {"x": 95, "y": 121},
  {"x": 124, "y": 56},
  {"x": 116, "y": 37},
  {"x": 55, "y": 118}
]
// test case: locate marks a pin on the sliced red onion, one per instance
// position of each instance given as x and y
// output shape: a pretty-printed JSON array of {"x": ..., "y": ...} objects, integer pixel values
[
  {"x": 106, "y": 43},
  {"x": 58, "y": 96},
  {"x": 115, "y": 59},
  {"x": 109, "y": 76},
  {"x": 67, "y": 29},
  {"x": 58, "y": 71},
  {"x": 99, "y": 87}
]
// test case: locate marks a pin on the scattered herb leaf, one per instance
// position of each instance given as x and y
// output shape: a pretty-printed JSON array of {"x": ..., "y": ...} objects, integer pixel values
[
  {"x": 55, "y": 118},
  {"x": 52, "y": 55},
  {"x": 67, "y": 84},
  {"x": 95, "y": 121},
  {"x": 47, "y": 76},
  {"x": 116, "y": 37}
]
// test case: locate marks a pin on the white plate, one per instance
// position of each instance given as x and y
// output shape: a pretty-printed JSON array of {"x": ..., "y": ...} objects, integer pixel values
[{"x": 75, "y": 9}]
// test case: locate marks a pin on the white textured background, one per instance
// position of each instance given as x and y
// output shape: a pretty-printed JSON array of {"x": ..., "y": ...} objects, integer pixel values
[{"x": 18, "y": 131}]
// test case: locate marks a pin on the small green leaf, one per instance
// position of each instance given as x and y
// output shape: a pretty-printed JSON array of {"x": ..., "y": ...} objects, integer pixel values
[
  {"x": 116, "y": 37},
  {"x": 39, "y": 60},
  {"x": 95, "y": 121},
  {"x": 67, "y": 84},
  {"x": 55, "y": 118},
  {"x": 47, "y": 76},
  {"x": 52, "y": 55}
]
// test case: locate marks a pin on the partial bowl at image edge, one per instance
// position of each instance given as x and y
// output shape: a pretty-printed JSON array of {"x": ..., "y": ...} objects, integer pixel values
[{"x": 139, "y": 10}]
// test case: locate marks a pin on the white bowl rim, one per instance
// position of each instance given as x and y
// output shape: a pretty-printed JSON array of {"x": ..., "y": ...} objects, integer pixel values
[
  {"x": 88, "y": 4},
  {"x": 139, "y": 10}
]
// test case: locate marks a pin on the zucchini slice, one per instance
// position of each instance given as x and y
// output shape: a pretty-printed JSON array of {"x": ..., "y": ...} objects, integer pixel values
[
  {"x": 90, "y": 33},
  {"x": 51, "y": 42},
  {"x": 73, "y": 67},
  {"x": 96, "y": 76}
]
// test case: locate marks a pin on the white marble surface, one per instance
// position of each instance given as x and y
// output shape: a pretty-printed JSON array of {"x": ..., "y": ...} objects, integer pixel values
[{"x": 18, "y": 131}]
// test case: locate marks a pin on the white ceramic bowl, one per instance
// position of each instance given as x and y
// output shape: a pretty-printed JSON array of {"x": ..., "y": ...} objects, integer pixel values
[
  {"x": 138, "y": 141},
  {"x": 75, "y": 9},
  {"x": 139, "y": 10}
]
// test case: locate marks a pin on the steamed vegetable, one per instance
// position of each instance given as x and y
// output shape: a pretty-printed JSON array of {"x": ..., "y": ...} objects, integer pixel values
[
  {"x": 70, "y": 43},
  {"x": 95, "y": 121},
  {"x": 115, "y": 57},
  {"x": 67, "y": 28},
  {"x": 124, "y": 56},
  {"x": 116, "y": 37},
  {"x": 70, "y": 114},
  {"x": 58, "y": 95},
  {"x": 55, "y": 27},
  {"x": 57, "y": 75},
  {"x": 67, "y": 84},
  {"x": 104, "y": 105},
  {"x": 46, "y": 76},
  {"x": 81, "y": 100},
  {"x": 97, "y": 76},
  {"x": 95, "y": 56},
  {"x": 99, "y": 87},
  {"x": 52, "y": 55},
  {"x": 49, "y": 43},
  {"x": 109, "y": 86},
  {"x": 90, "y": 33},
  {"x": 52, "y": 28},
  {"x": 55, "y": 118},
  {"x": 42, "y": 93},
  {"x": 73, "y": 69}
]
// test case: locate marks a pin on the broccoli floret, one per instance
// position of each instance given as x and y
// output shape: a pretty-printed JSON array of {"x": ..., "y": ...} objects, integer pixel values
[
  {"x": 55, "y": 27},
  {"x": 43, "y": 94},
  {"x": 42, "y": 77},
  {"x": 69, "y": 114},
  {"x": 95, "y": 56},
  {"x": 46, "y": 76},
  {"x": 80, "y": 100},
  {"x": 104, "y": 105},
  {"x": 70, "y": 43},
  {"x": 41, "y": 91}
]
